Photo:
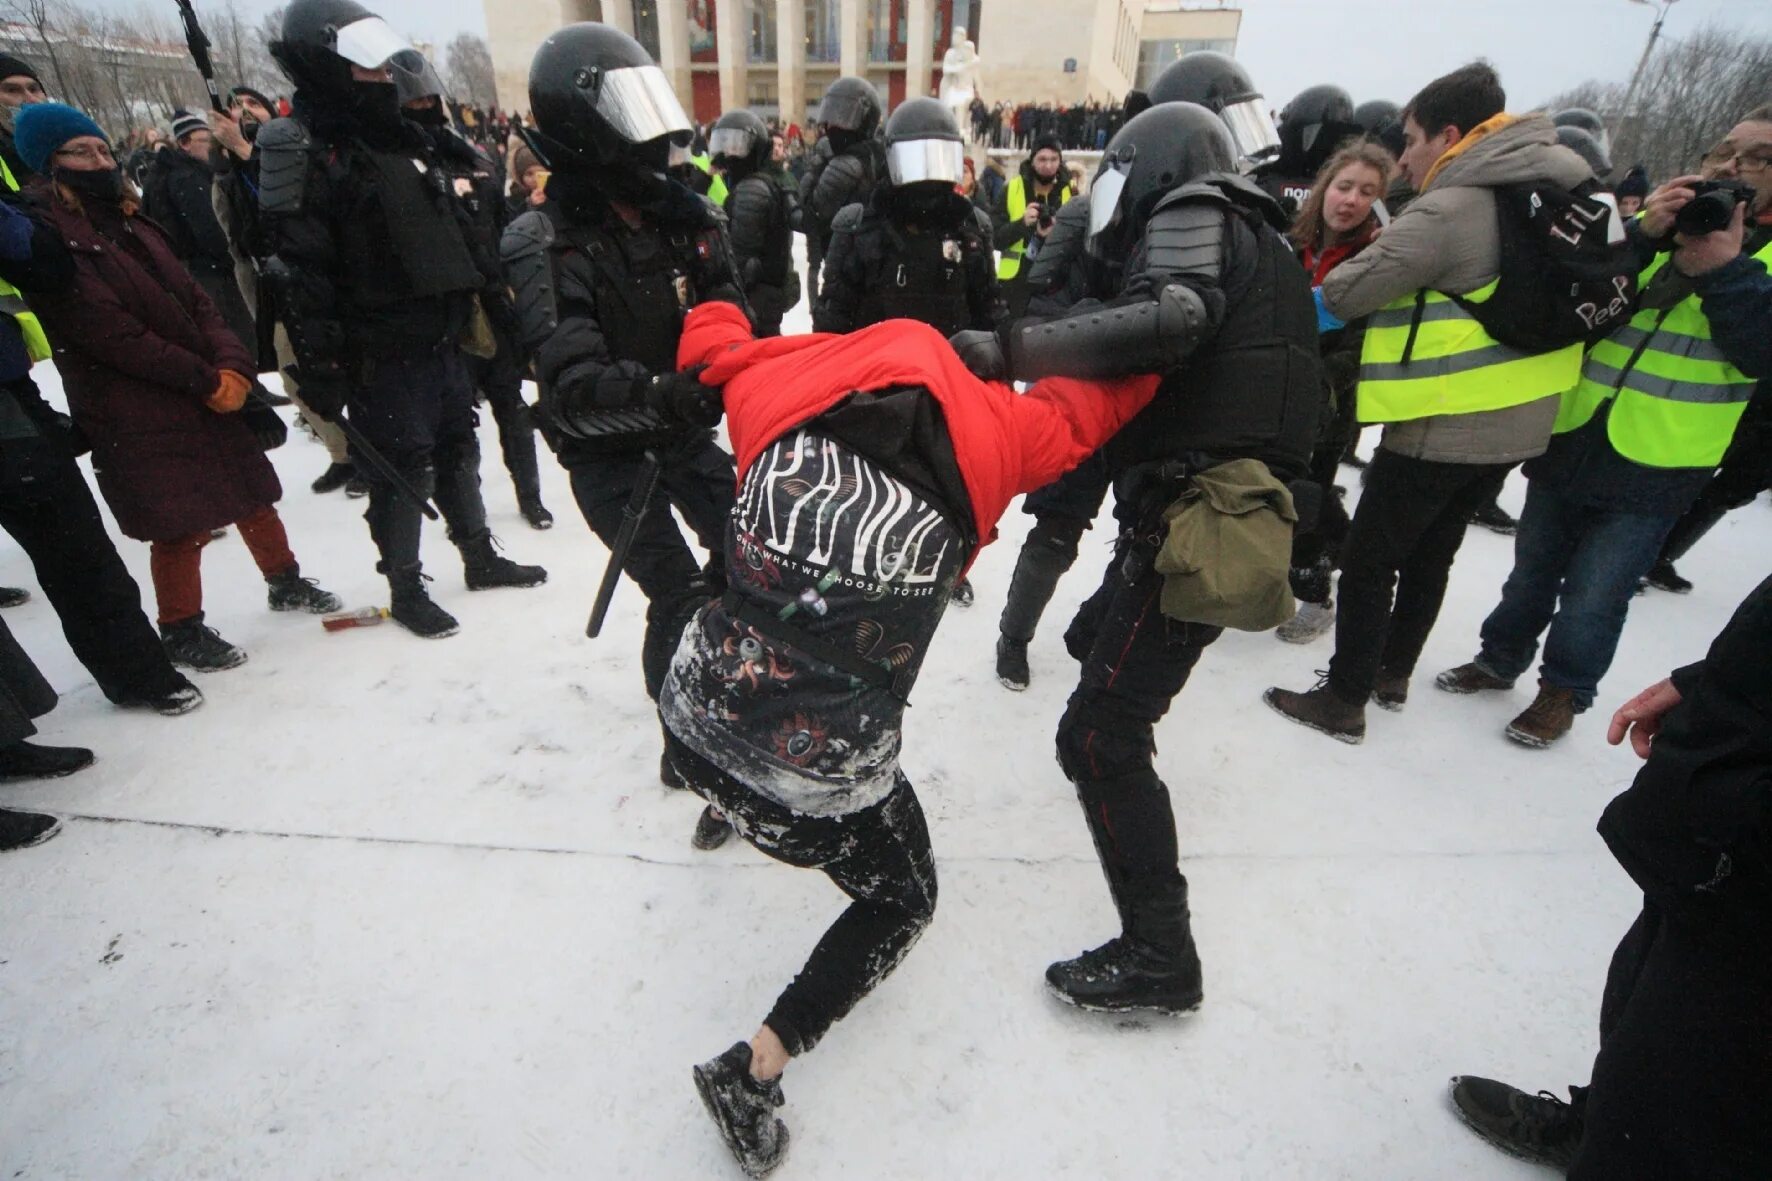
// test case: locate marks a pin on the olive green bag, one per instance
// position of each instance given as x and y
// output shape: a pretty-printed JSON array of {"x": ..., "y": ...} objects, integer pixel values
[{"x": 1228, "y": 549}]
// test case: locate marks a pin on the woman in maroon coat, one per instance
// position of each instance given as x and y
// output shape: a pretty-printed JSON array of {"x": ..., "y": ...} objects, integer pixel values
[{"x": 159, "y": 385}]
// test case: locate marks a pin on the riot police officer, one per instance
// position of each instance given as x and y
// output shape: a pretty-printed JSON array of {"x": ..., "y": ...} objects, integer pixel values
[
  {"x": 603, "y": 273},
  {"x": 478, "y": 182},
  {"x": 1212, "y": 298},
  {"x": 761, "y": 214},
  {"x": 1219, "y": 83},
  {"x": 847, "y": 162},
  {"x": 1312, "y": 126},
  {"x": 376, "y": 283}
]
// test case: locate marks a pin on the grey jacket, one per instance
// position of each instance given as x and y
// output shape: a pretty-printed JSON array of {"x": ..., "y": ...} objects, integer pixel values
[{"x": 1447, "y": 240}]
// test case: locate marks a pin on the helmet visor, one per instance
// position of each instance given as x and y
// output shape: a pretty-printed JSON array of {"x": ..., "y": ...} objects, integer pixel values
[
  {"x": 848, "y": 111},
  {"x": 414, "y": 77},
  {"x": 639, "y": 105},
  {"x": 734, "y": 142},
  {"x": 369, "y": 43},
  {"x": 1104, "y": 196},
  {"x": 1252, "y": 132},
  {"x": 913, "y": 160}
]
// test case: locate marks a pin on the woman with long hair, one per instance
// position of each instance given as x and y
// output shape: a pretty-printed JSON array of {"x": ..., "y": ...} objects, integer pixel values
[{"x": 1337, "y": 221}]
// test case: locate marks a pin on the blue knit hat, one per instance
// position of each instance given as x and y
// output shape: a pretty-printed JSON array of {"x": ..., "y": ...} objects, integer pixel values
[{"x": 40, "y": 129}]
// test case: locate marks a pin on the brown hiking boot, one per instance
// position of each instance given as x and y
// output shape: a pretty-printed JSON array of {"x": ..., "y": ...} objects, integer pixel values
[
  {"x": 1390, "y": 691},
  {"x": 1470, "y": 678},
  {"x": 1323, "y": 710},
  {"x": 1544, "y": 721}
]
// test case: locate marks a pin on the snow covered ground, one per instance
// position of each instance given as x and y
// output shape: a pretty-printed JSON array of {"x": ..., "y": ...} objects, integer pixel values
[{"x": 390, "y": 908}]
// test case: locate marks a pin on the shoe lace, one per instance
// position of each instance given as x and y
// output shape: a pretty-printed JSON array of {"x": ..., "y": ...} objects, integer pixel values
[
  {"x": 1545, "y": 1112},
  {"x": 1543, "y": 707},
  {"x": 1322, "y": 680}
]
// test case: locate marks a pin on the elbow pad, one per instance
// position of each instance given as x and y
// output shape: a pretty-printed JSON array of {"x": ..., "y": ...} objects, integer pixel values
[{"x": 1148, "y": 337}]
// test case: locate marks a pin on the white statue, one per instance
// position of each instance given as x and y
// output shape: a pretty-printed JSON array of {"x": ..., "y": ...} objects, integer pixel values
[{"x": 959, "y": 77}]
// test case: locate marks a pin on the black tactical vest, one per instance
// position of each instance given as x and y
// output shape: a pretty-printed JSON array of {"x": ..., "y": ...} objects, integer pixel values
[
  {"x": 645, "y": 281},
  {"x": 401, "y": 240},
  {"x": 919, "y": 276}
]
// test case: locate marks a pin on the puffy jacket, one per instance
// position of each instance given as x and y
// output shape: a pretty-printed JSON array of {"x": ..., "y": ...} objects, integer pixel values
[
  {"x": 1448, "y": 240},
  {"x": 179, "y": 196}
]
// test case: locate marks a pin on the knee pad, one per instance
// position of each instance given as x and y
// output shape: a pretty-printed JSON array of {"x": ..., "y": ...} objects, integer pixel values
[{"x": 1061, "y": 535}]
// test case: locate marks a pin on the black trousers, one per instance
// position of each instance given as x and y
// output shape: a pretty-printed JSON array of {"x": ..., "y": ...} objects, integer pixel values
[
  {"x": 56, "y": 522},
  {"x": 1405, "y": 533},
  {"x": 1316, "y": 551},
  {"x": 699, "y": 483},
  {"x": 1683, "y": 1079},
  {"x": 880, "y": 857},
  {"x": 500, "y": 381},
  {"x": 1062, "y": 511},
  {"x": 24, "y": 693}
]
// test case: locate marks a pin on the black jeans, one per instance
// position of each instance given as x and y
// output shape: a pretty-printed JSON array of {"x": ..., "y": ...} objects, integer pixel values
[
  {"x": 500, "y": 381},
  {"x": 699, "y": 483},
  {"x": 1680, "y": 1086},
  {"x": 879, "y": 856},
  {"x": 1405, "y": 533}
]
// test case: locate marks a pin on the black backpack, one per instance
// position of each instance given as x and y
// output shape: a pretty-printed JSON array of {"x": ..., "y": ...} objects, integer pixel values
[{"x": 1562, "y": 279}]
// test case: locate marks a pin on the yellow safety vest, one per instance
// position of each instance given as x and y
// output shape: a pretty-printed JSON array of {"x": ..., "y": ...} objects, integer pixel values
[
  {"x": 1016, "y": 194},
  {"x": 1425, "y": 355},
  {"x": 1675, "y": 396},
  {"x": 13, "y": 304}
]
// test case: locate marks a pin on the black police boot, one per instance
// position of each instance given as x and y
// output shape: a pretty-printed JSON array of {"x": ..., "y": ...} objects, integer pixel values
[
  {"x": 1539, "y": 1128},
  {"x": 14, "y": 596},
  {"x": 534, "y": 511},
  {"x": 485, "y": 568},
  {"x": 189, "y": 644},
  {"x": 289, "y": 591},
  {"x": 21, "y": 830},
  {"x": 1037, "y": 571},
  {"x": 1153, "y": 965},
  {"x": 711, "y": 829},
  {"x": 411, "y": 607},
  {"x": 519, "y": 449},
  {"x": 743, "y": 1108},
  {"x": 333, "y": 478},
  {"x": 1012, "y": 664},
  {"x": 29, "y": 760},
  {"x": 177, "y": 696}
]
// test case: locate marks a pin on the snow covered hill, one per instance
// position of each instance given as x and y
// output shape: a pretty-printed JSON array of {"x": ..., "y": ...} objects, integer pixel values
[{"x": 393, "y": 908}]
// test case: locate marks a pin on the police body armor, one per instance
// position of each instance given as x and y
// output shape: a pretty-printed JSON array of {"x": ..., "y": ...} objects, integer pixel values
[
  {"x": 921, "y": 276},
  {"x": 403, "y": 241}
]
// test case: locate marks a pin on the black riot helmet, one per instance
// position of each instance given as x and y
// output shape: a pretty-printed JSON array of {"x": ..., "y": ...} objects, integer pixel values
[
  {"x": 322, "y": 39},
  {"x": 1377, "y": 113},
  {"x": 1168, "y": 146},
  {"x": 1587, "y": 121},
  {"x": 597, "y": 97},
  {"x": 415, "y": 77},
  {"x": 1588, "y": 148},
  {"x": 740, "y": 142},
  {"x": 1216, "y": 82},
  {"x": 1315, "y": 113},
  {"x": 850, "y": 111},
  {"x": 923, "y": 144}
]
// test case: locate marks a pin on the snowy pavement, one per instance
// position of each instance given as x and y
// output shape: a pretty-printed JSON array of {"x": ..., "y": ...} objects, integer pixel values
[{"x": 393, "y": 908}]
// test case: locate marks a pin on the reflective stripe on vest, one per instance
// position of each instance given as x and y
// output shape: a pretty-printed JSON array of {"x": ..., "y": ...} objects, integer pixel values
[
  {"x": 1425, "y": 355},
  {"x": 13, "y": 304},
  {"x": 1678, "y": 398},
  {"x": 1016, "y": 197}
]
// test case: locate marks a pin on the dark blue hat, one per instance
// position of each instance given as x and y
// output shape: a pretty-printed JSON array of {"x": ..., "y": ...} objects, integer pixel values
[{"x": 40, "y": 129}]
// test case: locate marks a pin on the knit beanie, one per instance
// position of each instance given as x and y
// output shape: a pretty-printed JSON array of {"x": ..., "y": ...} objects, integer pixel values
[
  {"x": 184, "y": 123},
  {"x": 1049, "y": 140},
  {"x": 1634, "y": 184},
  {"x": 42, "y": 128},
  {"x": 259, "y": 95},
  {"x": 12, "y": 67}
]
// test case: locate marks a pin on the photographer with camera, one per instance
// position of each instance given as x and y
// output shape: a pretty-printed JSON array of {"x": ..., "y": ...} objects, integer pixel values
[
  {"x": 1638, "y": 438},
  {"x": 1023, "y": 217}
]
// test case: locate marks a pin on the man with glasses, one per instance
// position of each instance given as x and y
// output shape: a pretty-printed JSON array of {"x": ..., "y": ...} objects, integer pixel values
[{"x": 1638, "y": 437}]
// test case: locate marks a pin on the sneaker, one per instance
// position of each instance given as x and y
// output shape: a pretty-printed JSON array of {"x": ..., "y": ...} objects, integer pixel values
[
  {"x": 1548, "y": 718},
  {"x": 1390, "y": 691},
  {"x": 180, "y": 699},
  {"x": 1470, "y": 678},
  {"x": 356, "y": 487},
  {"x": 292, "y": 592},
  {"x": 535, "y": 513},
  {"x": 743, "y": 1108},
  {"x": 1496, "y": 519},
  {"x": 14, "y": 596},
  {"x": 189, "y": 644},
  {"x": 1313, "y": 620},
  {"x": 711, "y": 829},
  {"x": 1126, "y": 974},
  {"x": 29, "y": 760},
  {"x": 1661, "y": 576},
  {"x": 333, "y": 478},
  {"x": 1539, "y": 1128},
  {"x": 486, "y": 569},
  {"x": 963, "y": 595},
  {"x": 1322, "y": 710},
  {"x": 1012, "y": 664},
  {"x": 21, "y": 830}
]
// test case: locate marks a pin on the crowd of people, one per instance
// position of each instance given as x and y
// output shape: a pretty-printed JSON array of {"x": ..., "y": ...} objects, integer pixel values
[
  {"x": 1202, "y": 328},
  {"x": 1084, "y": 126}
]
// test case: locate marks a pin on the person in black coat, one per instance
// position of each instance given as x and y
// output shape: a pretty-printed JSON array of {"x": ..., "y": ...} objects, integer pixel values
[
  {"x": 847, "y": 163},
  {"x": 1685, "y": 1064},
  {"x": 24, "y": 696},
  {"x": 761, "y": 215}
]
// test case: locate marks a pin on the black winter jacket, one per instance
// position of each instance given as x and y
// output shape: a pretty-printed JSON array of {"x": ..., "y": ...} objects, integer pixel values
[
  {"x": 760, "y": 214},
  {"x": 866, "y": 252},
  {"x": 849, "y": 178},
  {"x": 179, "y": 195}
]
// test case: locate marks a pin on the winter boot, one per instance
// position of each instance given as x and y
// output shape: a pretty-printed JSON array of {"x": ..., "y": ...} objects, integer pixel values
[
  {"x": 711, "y": 829},
  {"x": 1547, "y": 719},
  {"x": 1313, "y": 620},
  {"x": 291, "y": 592},
  {"x": 14, "y": 596},
  {"x": 963, "y": 595},
  {"x": 179, "y": 698},
  {"x": 1496, "y": 519},
  {"x": 535, "y": 512},
  {"x": 1038, "y": 568},
  {"x": 1470, "y": 678},
  {"x": 411, "y": 607},
  {"x": 333, "y": 478},
  {"x": 21, "y": 830},
  {"x": 189, "y": 644},
  {"x": 1012, "y": 663},
  {"x": 1153, "y": 965},
  {"x": 29, "y": 760},
  {"x": 486, "y": 569},
  {"x": 1322, "y": 709},
  {"x": 1390, "y": 691},
  {"x": 743, "y": 1108},
  {"x": 516, "y": 434},
  {"x": 1538, "y": 1128},
  {"x": 1663, "y": 576}
]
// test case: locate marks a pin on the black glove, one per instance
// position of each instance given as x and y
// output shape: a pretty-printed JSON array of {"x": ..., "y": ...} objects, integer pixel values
[
  {"x": 982, "y": 352},
  {"x": 680, "y": 397},
  {"x": 323, "y": 393},
  {"x": 266, "y": 425}
]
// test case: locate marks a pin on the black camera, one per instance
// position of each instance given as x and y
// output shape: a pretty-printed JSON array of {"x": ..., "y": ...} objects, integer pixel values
[
  {"x": 1713, "y": 204},
  {"x": 1046, "y": 215}
]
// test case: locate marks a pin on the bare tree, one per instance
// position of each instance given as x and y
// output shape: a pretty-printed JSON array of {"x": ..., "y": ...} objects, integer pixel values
[
  {"x": 40, "y": 16},
  {"x": 469, "y": 69}
]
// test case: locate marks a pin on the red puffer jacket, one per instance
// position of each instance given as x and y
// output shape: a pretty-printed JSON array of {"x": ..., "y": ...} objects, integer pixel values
[
  {"x": 1005, "y": 443},
  {"x": 140, "y": 346}
]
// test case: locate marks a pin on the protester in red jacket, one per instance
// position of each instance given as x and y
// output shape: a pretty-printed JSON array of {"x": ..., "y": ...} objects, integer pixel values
[{"x": 871, "y": 468}]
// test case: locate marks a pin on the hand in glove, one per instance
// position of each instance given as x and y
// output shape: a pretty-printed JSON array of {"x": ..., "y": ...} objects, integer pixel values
[
  {"x": 323, "y": 393},
  {"x": 982, "y": 352},
  {"x": 230, "y": 392},
  {"x": 681, "y": 397},
  {"x": 266, "y": 425}
]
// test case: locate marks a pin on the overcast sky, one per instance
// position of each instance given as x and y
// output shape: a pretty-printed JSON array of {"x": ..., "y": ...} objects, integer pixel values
[{"x": 1374, "y": 48}]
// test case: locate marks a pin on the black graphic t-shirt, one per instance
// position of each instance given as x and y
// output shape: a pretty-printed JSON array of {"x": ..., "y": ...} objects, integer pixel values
[{"x": 836, "y": 549}]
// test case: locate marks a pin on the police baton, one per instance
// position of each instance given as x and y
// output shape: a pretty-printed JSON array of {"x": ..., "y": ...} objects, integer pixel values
[
  {"x": 361, "y": 448},
  {"x": 198, "y": 42},
  {"x": 645, "y": 484}
]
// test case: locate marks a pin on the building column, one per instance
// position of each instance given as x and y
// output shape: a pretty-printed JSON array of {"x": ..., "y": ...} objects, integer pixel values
[
  {"x": 919, "y": 48},
  {"x": 673, "y": 49},
  {"x": 618, "y": 14},
  {"x": 790, "y": 59},
  {"x": 852, "y": 38},
  {"x": 732, "y": 30}
]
